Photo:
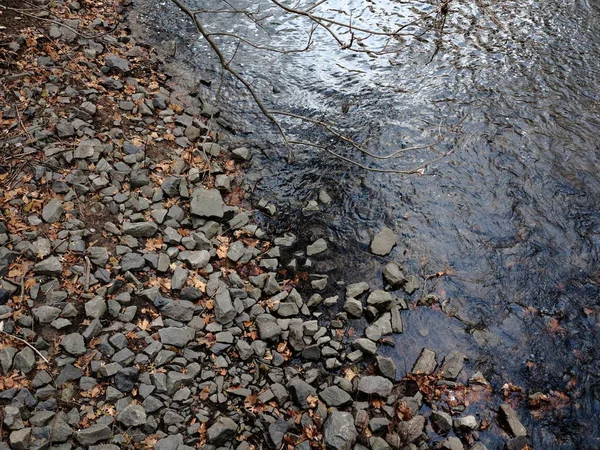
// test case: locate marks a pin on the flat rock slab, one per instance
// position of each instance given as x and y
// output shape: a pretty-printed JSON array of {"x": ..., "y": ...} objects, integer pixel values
[
  {"x": 513, "y": 422},
  {"x": 207, "y": 203},
  {"x": 426, "y": 362},
  {"x": 378, "y": 385},
  {"x": 383, "y": 242}
]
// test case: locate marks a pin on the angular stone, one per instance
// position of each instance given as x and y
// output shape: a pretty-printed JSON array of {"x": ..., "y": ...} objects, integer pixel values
[
  {"x": 465, "y": 424},
  {"x": 24, "y": 361},
  {"x": 52, "y": 211},
  {"x": 383, "y": 242},
  {"x": 19, "y": 440},
  {"x": 181, "y": 310},
  {"x": 452, "y": 365},
  {"x": 426, "y": 362},
  {"x": 380, "y": 300},
  {"x": 132, "y": 262},
  {"x": 375, "y": 385},
  {"x": 140, "y": 229},
  {"x": 365, "y": 345},
  {"x": 132, "y": 416},
  {"x": 386, "y": 367},
  {"x": 319, "y": 246},
  {"x": 49, "y": 266},
  {"x": 222, "y": 431},
  {"x": 411, "y": 430},
  {"x": 46, "y": 314},
  {"x": 393, "y": 275},
  {"x": 224, "y": 310},
  {"x": 339, "y": 431},
  {"x": 177, "y": 337},
  {"x": 356, "y": 289},
  {"x": 510, "y": 418},
  {"x": 196, "y": 259},
  {"x": 353, "y": 307},
  {"x": 334, "y": 396},
  {"x": 93, "y": 434},
  {"x": 207, "y": 203},
  {"x": 300, "y": 390},
  {"x": 441, "y": 422},
  {"x": 117, "y": 63},
  {"x": 74, "y": 344}
]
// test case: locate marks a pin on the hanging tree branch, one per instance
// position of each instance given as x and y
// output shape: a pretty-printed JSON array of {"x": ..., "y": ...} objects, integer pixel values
[{"x": 359, "y": 35}]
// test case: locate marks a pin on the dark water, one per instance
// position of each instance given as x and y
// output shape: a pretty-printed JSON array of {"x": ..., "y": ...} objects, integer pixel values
[{"x": 513, "y": 213}]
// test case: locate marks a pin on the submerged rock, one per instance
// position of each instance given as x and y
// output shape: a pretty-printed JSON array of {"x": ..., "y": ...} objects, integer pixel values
[{"x": 383, "y": 242}]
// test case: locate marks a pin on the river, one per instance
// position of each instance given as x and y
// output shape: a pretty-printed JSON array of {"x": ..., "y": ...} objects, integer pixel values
[{"x": 512, "y": 214}]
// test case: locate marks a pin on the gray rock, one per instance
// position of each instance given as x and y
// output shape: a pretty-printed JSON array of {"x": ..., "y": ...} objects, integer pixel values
[
  {"x": 334, "y": 396},
  {"x": 46, "y": 314},
  {"x": 319, "y": 246},
  {"x": 386, "y": 367},
  {"x": 12, "y": 418},
  {"x": 24, "y": 361},
  {"x": 277, "y": 431},
  {"x": 353, "y": 307},
  {"x": 177, "y": 337},
  {"x": 241, "y": 154},
  {"x": 222, "y": 431},
  {"x": 510, "y": 418},
  {"x": 339, "y": 431},
  {"x": 61, "y": 431},
  {"x": 117, "y": 63},
  {"x": 132, "y": 262},
  {"x": 375, "y": 385},
  {"x": 93, "y": 434},
  {"x": 207, "y": 203},
  {"x": 300, "y": 390},
  {"x": 6, "y": 259},
  {"x": 383, "y": 242},
  {"x": 64, "y": 129},
  {"x": 365, "y": 345},
  {"x": 452, "y": 443},
  {"x": 393, "y": 275},
  {"x": 140, "y": 229},
  {"x": 356, "y": 289},
  {"x": 53, "y": 211},
  {"x": 74, "y": 344},
  {"x": 441, "y": 422},
  {"x": 224, "y": 310},
  {"x": 465, "y": 424},
  {"x": 132, "y": 416},
  {"x": 7, "y": 355},
  {"x": 196, "y": 259},
  {"x": 49, "y": 266},
  {"x": 98, "y": 255},
  {"x": 380, "y": 300},
  {"x": 411, "y": 430},
  {"x": 95, "y": 308},
  {"x": 19, "y": 439},
  {"x": 452, "y": 365},
  {"x": 426, "y": 362},
  {"x": 181, "y": 310},
  {"x": 269, "y": 330}
]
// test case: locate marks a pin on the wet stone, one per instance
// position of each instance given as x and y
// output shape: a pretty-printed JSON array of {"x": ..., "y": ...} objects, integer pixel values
[
  {"x": 393, "y": 275},
  {"x": 319, "y": 246},
  {"x": 339, "y": 431},
  {"x": 375, "y": 385},
  {"x": 426, "y": 362},
  {"x": 383, "y": 242}
]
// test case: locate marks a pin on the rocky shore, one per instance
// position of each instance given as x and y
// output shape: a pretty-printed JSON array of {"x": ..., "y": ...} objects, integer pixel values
[{"x": 141, "y": 305}]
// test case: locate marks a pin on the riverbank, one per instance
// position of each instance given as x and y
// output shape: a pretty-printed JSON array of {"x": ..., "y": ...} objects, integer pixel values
[{"x": 142, "y": 305}]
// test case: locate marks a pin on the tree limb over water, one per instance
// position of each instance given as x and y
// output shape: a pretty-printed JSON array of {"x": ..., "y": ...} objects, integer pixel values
[{"x": 349, "y": 37}]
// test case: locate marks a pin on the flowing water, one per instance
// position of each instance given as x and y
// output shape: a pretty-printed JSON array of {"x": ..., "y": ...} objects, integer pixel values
[{"x": 513, "y": 213}]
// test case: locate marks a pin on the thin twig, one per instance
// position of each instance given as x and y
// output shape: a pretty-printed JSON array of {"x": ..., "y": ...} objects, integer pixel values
[{"x": 24, "y": 342}]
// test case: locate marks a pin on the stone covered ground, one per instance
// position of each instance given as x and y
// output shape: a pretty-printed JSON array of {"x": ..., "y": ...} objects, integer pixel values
[{"x": 141, "y": 306}]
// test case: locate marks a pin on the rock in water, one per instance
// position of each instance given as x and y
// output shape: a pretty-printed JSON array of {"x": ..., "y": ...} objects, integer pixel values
[
  {"x": 383, "y": 242},
  {"x": 340, "y": 433}
]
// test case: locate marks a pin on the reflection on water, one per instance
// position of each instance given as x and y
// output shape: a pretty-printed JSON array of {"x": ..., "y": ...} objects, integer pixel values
[{"x": 514, "y": 212}]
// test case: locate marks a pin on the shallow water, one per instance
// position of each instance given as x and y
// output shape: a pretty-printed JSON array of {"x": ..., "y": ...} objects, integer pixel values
[{"x": 513, "y": 213}]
